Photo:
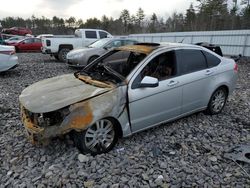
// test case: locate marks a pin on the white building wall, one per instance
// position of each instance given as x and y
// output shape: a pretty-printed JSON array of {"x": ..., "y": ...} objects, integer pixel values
[{"x": 233, "y": 42}]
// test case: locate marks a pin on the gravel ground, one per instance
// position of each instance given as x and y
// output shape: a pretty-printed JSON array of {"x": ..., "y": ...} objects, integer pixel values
[{"x": 185, "y": 153}]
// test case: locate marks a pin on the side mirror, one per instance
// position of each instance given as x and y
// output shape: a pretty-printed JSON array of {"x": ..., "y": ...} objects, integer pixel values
[{"x": 149, "y": 81}]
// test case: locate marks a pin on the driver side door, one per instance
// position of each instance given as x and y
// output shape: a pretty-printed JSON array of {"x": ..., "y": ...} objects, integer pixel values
[{"x": 149, "y": 106}]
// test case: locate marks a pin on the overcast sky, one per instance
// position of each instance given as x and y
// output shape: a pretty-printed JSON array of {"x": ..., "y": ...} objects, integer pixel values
[{"x": 85, "y": 9}]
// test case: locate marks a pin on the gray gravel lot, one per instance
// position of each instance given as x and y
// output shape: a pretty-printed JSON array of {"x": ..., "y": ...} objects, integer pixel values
[{"x": 185, "y": 153}]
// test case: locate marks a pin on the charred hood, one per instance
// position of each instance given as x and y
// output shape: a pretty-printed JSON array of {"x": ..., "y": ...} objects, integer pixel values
[{"x": 58, "y": 92}]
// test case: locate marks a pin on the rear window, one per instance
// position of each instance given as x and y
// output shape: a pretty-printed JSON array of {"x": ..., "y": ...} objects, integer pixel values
[
  {"x": 212, "y": 60},
  {"x": 90, "y": 34},
  {"x": 190, "y": 60}
]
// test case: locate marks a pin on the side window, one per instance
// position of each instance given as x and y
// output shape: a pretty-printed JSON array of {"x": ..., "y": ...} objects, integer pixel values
[
  {"x": 190, "y": 60},
  {"x": 28, "y": 41},
  {"x": 161, "y": 67},
  {"x": 116, "y": 43},
  {"x": 90, "y": 34},
  {"x": 103, "y": 34},
  {"x": 38, "y": 40},
  {"x": 129, "y": 42},
  {"x": 212, "y": 60}
]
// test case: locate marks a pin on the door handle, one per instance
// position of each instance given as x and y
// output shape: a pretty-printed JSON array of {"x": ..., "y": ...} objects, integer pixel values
[
  {"x": 208, "y": 72},
  {"x": 172, "y": 83}
]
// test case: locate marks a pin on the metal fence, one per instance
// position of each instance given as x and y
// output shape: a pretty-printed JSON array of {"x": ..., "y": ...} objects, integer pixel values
[{"x": 233, "y": 42}]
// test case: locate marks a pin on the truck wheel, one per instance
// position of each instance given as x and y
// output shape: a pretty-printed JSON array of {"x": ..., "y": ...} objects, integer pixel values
[
  {"x": 99, "y": 138},
  {"x": 56, "y": 57},
  {"x": 62, "y": 55}
]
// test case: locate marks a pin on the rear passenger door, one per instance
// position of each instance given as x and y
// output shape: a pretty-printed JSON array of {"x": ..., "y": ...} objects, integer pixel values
[{"x": 195, "y": 79}]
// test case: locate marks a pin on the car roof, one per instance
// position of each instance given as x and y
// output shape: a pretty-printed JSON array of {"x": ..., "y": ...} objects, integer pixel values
[{"x": 147, "y": 48}]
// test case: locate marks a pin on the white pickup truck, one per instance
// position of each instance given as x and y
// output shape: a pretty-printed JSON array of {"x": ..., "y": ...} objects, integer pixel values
[{"x": 61, "y": 45}]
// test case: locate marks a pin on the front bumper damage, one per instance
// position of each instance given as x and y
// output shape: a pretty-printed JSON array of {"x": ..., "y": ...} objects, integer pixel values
[
  {"x": 33, "y": 132},
  {"x": 44, "y": 120},
  {"x": 78, "y": 120}
]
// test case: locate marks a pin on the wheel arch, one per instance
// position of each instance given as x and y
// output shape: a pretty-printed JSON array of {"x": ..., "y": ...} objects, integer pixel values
[
  {"x": 222, "y": 86},
  {"x": 118, "y": 127},
  {"x": 94, "y": 55},
  {"x": 69, "y": 46}
]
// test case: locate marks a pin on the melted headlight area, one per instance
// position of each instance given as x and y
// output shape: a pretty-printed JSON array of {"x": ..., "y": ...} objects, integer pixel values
[
  {"x": 41, "y": 126},
  {"x": 47, "y": 119}
]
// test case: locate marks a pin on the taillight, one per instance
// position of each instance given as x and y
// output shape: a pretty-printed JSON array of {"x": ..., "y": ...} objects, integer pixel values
[{"x": 235, "y": 67}]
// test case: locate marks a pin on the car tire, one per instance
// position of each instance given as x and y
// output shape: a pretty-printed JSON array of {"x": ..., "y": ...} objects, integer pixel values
[
  {"x": 62, "y": 55},
  {"x": 217, "y": 101},
  {"x": 92, "y": 59},
  {"x": 16, "y": 49},
  {"x": 99, "y": 138}
]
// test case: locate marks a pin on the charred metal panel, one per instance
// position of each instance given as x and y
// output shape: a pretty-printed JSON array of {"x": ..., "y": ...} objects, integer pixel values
[{"x": 55, "y": 93}]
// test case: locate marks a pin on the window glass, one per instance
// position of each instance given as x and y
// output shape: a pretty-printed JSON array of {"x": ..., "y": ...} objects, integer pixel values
[
  {"x": 129, "y": 42},
  {"x": 103, "y": 34},
  {"x": 27, "y": 41},
  {"x": 90, "y": 34},
  {"x": 37, "y": 40},
  {"x": 212, "y": 60},
  {"x": 161, "y": 67},
  {"x": 100, "y": 43},
  {"x": 190, "y": 60},
  {"x": 113, "y": 44}
]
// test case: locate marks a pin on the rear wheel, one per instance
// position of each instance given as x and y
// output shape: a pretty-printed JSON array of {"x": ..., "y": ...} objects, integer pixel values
[
  {"x": 62, "y": 55},
  {"x": 217, "y": 101},
  {"x": 99, "y": 138}
]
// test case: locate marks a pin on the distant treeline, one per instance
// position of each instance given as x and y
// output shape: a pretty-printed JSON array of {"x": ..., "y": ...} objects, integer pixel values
[{"x": 208, "y": 15}]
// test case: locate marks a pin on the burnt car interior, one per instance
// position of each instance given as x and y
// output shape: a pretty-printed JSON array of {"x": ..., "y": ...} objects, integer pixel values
[
  {"x": 113, "y": 67},
  {"x": 161, "y": 67}
]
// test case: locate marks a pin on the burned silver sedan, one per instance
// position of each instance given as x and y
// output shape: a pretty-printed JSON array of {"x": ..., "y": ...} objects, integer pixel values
[{"x": 127, "y": 90}]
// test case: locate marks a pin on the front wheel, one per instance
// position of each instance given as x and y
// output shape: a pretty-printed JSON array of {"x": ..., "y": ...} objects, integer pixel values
[
  {"x": 99, "y": 138},
  {"x": 217, "y": 101}
]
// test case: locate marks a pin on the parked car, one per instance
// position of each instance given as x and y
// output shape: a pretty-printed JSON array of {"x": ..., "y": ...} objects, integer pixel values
[
  {"x": 83, "y": 56},
  {"x": 8, "y": 58},
  {"x": 14, "y": 39},
  {"x": 60, "y": 46},
  {"x": 17, "y": 31},
  {"x": 127, "y": 90},
  {"x": 28, "y": 45}
]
